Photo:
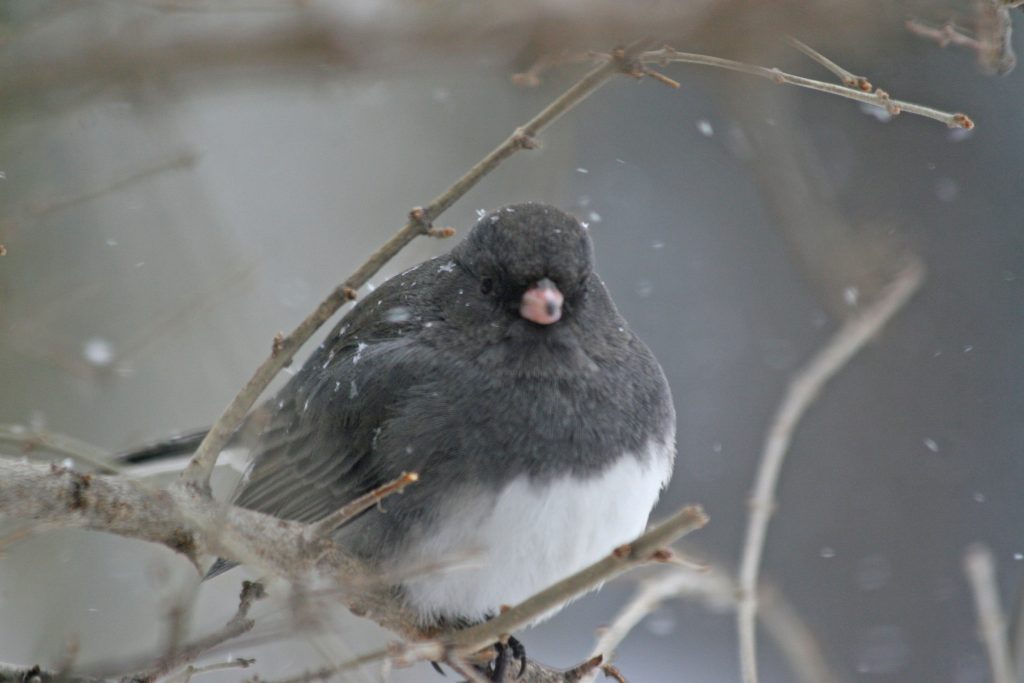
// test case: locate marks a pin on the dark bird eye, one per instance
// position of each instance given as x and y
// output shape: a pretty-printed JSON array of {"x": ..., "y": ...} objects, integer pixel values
[{"x": 486, "y": 285}]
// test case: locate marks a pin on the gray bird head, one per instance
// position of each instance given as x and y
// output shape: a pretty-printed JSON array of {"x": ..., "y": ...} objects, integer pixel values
[{"x": 531, "y": 258}]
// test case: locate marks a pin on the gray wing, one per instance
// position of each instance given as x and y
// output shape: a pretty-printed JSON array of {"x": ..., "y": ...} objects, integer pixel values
[{"x": 319, "y": 447}]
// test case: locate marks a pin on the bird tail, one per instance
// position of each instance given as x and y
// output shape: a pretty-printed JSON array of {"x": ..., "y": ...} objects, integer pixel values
[{"x": 175, "y": 447}]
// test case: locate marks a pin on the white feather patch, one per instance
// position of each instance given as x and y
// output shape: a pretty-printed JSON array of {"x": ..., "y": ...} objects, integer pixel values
[{"x": 532, "y": 535}]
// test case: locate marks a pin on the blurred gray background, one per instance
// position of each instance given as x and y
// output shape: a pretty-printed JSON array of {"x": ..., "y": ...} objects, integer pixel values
[{"x": 160, "y": 230}]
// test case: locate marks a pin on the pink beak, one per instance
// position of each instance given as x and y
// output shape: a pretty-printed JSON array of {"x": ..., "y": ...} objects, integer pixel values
[{"x": 542, "y": 303}]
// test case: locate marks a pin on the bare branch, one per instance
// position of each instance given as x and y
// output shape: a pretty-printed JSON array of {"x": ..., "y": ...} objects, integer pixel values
[
  {"x": 878, "y": 98},
  {"x": 845, "y": 77},
  {"x": 239, "y": 624},
  {"x": 717, "y": 591},
  {"x": 184, "y": 160},
  {"x": 803, "y": 390},
  {"x": 193, "y": 526},
  {"x": 28, "y": 440},
  {"x": 980, "y": 570},
  {"x": 190, "y": 671},
  {"x": 197, "y": 474},
  {"x": 794, "y": 637},
  {"x": 196, "y": 526},
  {"x": 1016, "y": 633},
  {"x": 361, "y": 504}
]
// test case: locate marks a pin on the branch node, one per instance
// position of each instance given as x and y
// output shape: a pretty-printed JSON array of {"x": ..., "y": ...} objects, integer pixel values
[
  {"x": 857, "y": 83},
  {"x": 418, "y": 217},
  {"x": 440, "y": 233},
  {"x": 623, "y": 551},
  {"x": 524, "y": 140},
  {"x": 627, "y": 63},
  {"x": 277, "y": 345},
  {"x": 612, "y": 672},
  {"x": 79, "y": 484},
  {"x": 662, "y": 555},
  {"x": 886, "y": 101},
  {"x": 349, "y": 293},
  {"x": 961, "y": 121}
]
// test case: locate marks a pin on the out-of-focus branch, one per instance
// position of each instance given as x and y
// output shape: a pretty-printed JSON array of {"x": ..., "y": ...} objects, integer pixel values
[
  {"x": 183, "y": 161},
  {"x": 1016, "y": 630},
  {"x": 991, "y": 43},
  {"x": 980, "y": 570},
  {"x": 319, "y": 38},
  {"x": 238, "y": 624},
  {"x": 29, "y": 440},
  {"x": 197, "y": 473},
  {"x": 717, "y": 591},
  {"x": 803, "y": 390}
]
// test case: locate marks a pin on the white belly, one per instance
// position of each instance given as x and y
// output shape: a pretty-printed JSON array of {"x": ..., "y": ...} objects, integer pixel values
[{"x": 500, "y": 551}]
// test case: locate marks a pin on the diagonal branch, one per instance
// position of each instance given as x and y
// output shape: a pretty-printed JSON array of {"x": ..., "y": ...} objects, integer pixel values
[
  {"x": 717, "y": 591},
  {"x": 803, "y": 390},
  {"x": 980, "y": 570},
  {"x": 850, "y": 80},
  {"x": 348, "y": 512}
]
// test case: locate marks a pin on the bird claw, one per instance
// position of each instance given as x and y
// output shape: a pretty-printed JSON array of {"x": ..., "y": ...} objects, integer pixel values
[{"x": 513, "y": 649}]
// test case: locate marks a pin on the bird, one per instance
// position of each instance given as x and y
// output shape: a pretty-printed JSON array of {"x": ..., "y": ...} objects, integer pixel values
[{"x": 541, "y": 427}]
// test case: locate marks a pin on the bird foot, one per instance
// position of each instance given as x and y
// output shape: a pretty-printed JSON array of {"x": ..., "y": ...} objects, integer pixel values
[{"x": 512, "y": 650}]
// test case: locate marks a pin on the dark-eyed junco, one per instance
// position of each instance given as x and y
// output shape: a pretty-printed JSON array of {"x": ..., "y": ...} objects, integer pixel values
[{"x": 541, "y": 427}]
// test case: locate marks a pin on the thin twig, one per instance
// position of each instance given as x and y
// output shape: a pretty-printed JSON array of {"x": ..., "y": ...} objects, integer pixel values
[
  {"x": 189, "y": 671},
  {"x": 40, "y": 208},
  {"x": 239, "y": 624},
  {"x": 28, "y": 440},
  {"x": 800, "y": 395},
  {"x": 980, "y": 570},
  {"x": 649, "y": 596},
  {"x": 717, "y": 591},
  {"x": 875, "y": 99},
  {"x": 850, "y": 80},
  {"x": 197, "y": 473},
  {"x": 364, "y": 502}
]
